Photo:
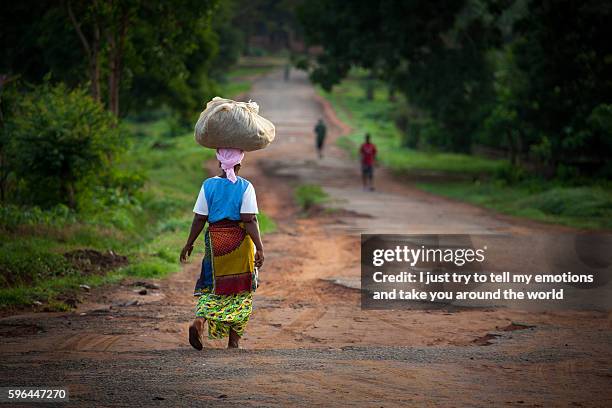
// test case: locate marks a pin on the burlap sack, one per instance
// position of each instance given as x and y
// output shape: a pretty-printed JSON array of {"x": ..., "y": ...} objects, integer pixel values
[{"x": 227, "y": 123}]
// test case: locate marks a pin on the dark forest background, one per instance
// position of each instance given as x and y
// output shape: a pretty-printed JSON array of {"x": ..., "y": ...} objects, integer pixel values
[{"x": 533, "y": 78}]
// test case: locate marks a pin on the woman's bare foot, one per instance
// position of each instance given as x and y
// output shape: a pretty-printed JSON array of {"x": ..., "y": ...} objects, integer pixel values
[
  {"x": 234, "y": 340},
  {"x": 195, "y": 333}
]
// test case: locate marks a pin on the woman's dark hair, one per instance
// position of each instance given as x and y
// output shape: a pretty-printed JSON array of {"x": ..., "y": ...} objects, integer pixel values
[{"x": 236, "y": 168}]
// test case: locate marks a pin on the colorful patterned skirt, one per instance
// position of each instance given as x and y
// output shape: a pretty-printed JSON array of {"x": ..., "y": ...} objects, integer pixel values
[
  {"x": 227, "y": 280},
  {"x": 225, "y": 312}
]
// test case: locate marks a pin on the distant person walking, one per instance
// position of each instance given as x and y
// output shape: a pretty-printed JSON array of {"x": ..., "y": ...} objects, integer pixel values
[
  {"x": 367, "y": 151},
  {"x": 320, "y": 132},
  {"x": 287, "y": 72}
]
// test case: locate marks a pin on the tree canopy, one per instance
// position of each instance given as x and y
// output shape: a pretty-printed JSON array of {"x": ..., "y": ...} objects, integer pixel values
[
  {"x": 539, "y": 71},
  {"x": 134, "y": 54}
]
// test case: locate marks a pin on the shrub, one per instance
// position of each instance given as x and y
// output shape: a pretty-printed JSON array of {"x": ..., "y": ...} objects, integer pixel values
[
  {"x": 511, "y": 174},
  {"x": 12, "y": 216},
  {"x": 309, "y": 195},
  {"x": 61, "y": 141}
]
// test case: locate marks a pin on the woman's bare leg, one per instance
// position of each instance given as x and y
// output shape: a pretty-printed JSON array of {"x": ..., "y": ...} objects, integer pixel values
[
  {"x": 195, "y": 333},
  {"x": 234, "y": 340}
]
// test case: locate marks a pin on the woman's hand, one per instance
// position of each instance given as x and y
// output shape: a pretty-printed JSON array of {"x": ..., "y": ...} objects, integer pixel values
[
  {"x": 197, "y": 225},
  {"x": 186, "y": 252},
  {"x": 259, "y": 258}
]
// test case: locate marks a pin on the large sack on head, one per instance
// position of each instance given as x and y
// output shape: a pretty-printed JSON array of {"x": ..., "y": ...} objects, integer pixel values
[{"x": 230, "y": 124}]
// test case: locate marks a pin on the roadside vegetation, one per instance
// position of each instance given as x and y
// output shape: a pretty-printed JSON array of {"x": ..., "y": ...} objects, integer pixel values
[
  {"x": 145, "y": 223},
  {"x": 588, "y": 207},
  {"x": 98, "y": 166},
  {"x": 309, "y": 196},
  {"x": 377, "y": 117},
  {"x": 477, "y": 82},
  {"x": 131, "y": 223},
  {"x": 238, "y": 80},
  {"x": 491, "y": 183}
]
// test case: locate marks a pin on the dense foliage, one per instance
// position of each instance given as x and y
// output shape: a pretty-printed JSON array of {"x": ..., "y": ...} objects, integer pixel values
[
  {"x": 134, "y": 54},
  {"x": 71, "y": 69},
  {"x": 531, "y": 78},
  {"x": 62, "y": 143}
]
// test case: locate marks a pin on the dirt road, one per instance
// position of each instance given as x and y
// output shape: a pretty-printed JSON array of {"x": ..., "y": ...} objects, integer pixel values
[{"x": 309, "y": 343}]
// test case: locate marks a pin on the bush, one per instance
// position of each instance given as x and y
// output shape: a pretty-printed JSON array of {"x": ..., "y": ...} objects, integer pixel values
[
  {"x": 511, "y": 174},
  {"x": 61, "y": 142},
  {"x": 12, "y": 216},
  {"x": 309, "y": 195},
  {"x": 116, "y": 190}
]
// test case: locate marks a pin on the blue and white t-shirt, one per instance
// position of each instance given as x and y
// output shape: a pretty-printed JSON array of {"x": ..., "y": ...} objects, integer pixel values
[{"x": 220, "y": 199}]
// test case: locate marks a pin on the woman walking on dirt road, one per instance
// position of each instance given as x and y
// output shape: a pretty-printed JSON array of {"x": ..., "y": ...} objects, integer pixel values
[{"x": 233, "y": 253}]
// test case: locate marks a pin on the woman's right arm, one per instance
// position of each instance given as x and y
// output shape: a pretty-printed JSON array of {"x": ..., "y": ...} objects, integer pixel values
[{"x": 197, "y": 225}]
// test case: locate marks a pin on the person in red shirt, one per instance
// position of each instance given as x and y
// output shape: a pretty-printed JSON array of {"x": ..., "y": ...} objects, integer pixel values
[{"x": 367, "y": 151}]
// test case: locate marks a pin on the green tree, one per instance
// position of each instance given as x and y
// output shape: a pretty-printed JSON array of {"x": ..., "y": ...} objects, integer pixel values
[
  {"x": 432, "y": 51},
  {"x": 503, "y": 127},
  {"x": 565, "y": 55},
  {"x": 163, "y": 46},
  {"x": 140, "y": 53},
  {"x": 274, "y": 19},
  {"x": 8, "y": 96}
]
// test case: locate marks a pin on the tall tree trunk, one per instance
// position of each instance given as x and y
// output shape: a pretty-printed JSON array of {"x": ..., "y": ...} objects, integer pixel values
[
  {"x": 511, "y": 146},
  {"x": 4, "y": 172},
  {"x": 519, "y": 146},
  {"x": 91, "y": 52},
  {"x": 113, "y": 80},
  {"x": 116, "y": 42},
  {"x": 94, "y": 64},
  {"x": 70, "y": 195},
  {"x": 4, "y": 163}
]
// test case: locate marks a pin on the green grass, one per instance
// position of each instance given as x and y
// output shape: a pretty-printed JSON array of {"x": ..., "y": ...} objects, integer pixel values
[
  {"x": 588, "y": 207},
  {"x": 239, "y": 80},
  {"x": 50, "y": 291},
  {"x": 375, "y": 117},
  {"x": 232, "y": 90},
  {"x": 266, "y": 224},
  {"x": 309, "y": 195},
  {"x": 249, "y": 71}
]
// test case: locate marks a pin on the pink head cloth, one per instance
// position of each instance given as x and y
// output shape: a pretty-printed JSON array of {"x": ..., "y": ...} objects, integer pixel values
[{"x": 229, "y": 158}]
